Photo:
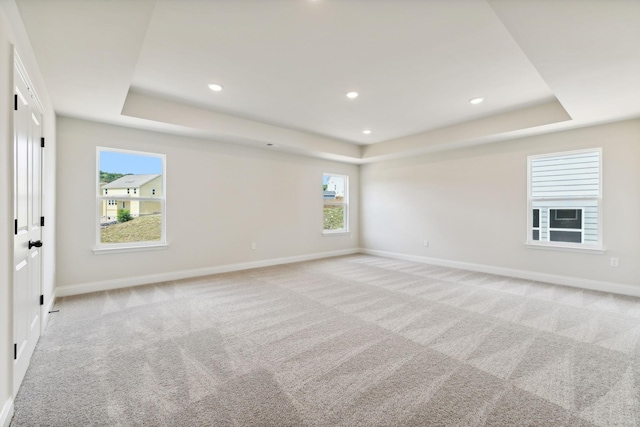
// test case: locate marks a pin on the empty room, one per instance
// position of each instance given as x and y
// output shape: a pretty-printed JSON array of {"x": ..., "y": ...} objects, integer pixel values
[{"x": 320, "y": 213}]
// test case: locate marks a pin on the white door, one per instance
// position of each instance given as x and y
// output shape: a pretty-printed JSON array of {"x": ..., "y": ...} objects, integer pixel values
[{"x": 28, "y": 231}]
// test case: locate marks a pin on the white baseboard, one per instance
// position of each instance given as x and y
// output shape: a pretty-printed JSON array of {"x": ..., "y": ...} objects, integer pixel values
[
  {"x": 616, "y": 288},
  {"x": 106, "y": 285},
  {"x": 7, "y": 413}
]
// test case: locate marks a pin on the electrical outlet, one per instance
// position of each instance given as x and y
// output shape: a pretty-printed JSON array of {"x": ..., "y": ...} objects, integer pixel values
[
  {"x": 614, "y": 262},
  {"x": 426, "y": 243},
  {"x": 253, "y": 246}
]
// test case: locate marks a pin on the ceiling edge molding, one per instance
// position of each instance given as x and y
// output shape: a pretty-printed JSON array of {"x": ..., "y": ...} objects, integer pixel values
[
  {"x": 486, "y": 129},
  {"x": 209, "y": 124},
  {"x": 227, "y": 127}
]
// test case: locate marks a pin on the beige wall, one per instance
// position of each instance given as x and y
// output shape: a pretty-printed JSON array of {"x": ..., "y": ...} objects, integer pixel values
[
  {"x": 470, "y": 204},
  {"x": 12, "y": 34},
  {"x": 220, "y": 199}
]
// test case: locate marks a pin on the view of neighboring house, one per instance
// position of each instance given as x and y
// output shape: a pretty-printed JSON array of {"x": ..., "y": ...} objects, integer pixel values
[
  {"x": 125, "y": 190},
  {"x": 335, "y": 188}
]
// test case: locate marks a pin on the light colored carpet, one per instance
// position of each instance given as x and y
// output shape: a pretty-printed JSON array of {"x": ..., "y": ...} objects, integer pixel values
[{"x": 348, "y": 341}]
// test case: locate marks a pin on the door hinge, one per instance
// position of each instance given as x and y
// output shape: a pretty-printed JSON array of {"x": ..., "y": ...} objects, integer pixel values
[
  {"x": 15, "y": 227},
  {"x": 15, "y": 102},
  {"x": 15, "y": 351},
  {"x": 42, "y": 142},
  {"x": 41, "y": 221},
  {"x": 41, "y": 299}
]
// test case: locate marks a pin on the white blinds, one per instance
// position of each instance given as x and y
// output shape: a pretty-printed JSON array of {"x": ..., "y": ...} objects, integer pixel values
[{"x": 566, "y": 176}]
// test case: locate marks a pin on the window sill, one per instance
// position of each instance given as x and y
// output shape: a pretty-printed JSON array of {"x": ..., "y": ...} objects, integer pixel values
[
  {"x": 563, "y": 248},
  {"x": 336, "y": 233},
  {"x": 124, "y": 249}
]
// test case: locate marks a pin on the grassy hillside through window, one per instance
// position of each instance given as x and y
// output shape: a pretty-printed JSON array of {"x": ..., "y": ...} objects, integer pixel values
[
  {"x": 142, "y": 229},
  {"x": 333, "y": 217}
]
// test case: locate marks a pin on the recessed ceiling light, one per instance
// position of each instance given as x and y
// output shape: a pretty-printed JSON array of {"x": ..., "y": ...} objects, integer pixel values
[
  {"x": 367, "y": 131},
  {"x": 476, "y": 100},
  {"x": 352, "y": 95},
  {"x": 215, "y": 87}
]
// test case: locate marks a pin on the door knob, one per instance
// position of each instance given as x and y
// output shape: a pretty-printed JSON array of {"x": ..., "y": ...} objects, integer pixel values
[{"x": 37, "y": 244}]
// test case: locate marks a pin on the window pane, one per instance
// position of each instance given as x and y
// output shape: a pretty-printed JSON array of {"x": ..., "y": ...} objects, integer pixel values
[
  {"x": 536, "y": 218},
  {"x": 130, "y": 174},
  {"x": 334, "y": 217},
  {"x": 571, "y": 214},
  {"x": 566, "y": 236},
  {"x": 124, "y": 178},
  {"x": 126, "y": 221},
  {"x": 536, "y": 235},
  {"x": 565, "y": 218},
  {"x": 334, "y": 188},
  {"x": 566, "y": 188}
]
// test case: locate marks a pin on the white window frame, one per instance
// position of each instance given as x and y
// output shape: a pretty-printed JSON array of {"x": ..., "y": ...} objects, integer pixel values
[
  {"x": 571, "y": 204},
  {"x": 344, "y": 203},
  {"x": 103, "y": 248}
]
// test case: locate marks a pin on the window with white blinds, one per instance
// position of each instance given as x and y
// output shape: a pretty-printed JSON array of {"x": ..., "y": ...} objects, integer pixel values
[{"x": 565, "y": 190}]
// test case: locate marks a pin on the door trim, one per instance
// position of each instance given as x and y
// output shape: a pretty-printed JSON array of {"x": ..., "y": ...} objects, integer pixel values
[{"x": 7, "y": 413}]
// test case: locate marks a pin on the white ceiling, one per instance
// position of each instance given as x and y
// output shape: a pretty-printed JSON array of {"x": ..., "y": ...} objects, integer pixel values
[{"x": 286, "y": 66}]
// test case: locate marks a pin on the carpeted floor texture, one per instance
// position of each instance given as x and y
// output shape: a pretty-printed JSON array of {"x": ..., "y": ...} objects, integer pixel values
[{"x": 348, "y": 341}]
